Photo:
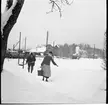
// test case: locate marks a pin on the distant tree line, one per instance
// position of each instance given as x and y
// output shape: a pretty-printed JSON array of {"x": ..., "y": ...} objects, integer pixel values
[{"x": 67, "y": 50}]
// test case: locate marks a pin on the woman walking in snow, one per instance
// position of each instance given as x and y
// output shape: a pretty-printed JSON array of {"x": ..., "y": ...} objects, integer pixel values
[{"x": 45, "y": 65}]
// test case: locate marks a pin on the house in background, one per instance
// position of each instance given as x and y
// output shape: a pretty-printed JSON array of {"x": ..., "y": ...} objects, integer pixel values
[{"x": 40, "y": 50}]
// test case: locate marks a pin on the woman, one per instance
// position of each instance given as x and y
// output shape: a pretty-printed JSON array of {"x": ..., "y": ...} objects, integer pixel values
[{"x": 45, "y": 65}]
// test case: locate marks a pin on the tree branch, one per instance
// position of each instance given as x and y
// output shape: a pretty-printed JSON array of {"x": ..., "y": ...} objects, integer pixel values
[
  {"x": 9, "y": 4},
  {"x": 58, "y": 8},
  {"x": 55, "y": 3},
  {"x": 67, "y": 2},
  {"x": 12, "y": 18}
]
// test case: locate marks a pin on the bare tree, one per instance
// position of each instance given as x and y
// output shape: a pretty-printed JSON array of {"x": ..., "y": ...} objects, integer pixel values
[
  {"x": 104, "y": 53},
  {"x": 8, "y": 20},
  {"x": 10, "y": 15}
]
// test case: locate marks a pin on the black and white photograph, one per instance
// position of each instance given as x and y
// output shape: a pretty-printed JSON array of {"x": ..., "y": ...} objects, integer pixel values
[{"x": 53, "y": 51}]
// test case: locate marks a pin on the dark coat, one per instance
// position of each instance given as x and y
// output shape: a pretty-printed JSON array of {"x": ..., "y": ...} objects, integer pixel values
[
  {"x": 46, "y": 65},
  {"x": 31, "y": 59},
  {"x": 47, "y": 60}
]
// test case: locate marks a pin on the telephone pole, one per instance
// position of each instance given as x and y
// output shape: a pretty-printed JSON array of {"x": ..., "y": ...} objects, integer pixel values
[
  {"x": 47, "y": 39},
  {"x": 24, "y": 54},
  {"x": 53, "y": 43},
  {"x": 13, "y": 47},
  {"x": 94, "y": 52},
  {"x": 25, "y": 43},
  {"x": 19, "y": 46}
]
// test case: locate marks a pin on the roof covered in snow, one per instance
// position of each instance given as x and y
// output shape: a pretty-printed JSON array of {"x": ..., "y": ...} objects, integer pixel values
[{"x": 41, "y": 49}]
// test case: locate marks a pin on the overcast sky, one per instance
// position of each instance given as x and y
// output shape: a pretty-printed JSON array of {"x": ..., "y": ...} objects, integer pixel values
[{"x": 82, "y": 22}]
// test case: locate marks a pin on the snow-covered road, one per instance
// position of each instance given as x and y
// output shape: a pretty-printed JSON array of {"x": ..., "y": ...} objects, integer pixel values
[{"x": 74, "y": 81}]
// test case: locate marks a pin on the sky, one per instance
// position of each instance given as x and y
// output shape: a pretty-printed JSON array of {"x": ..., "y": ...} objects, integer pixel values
[{"x": 82, "y": 22}]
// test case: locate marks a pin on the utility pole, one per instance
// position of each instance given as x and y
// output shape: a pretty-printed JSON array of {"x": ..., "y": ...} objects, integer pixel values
[
  {"x": 94, "y": 52},
  {"x": 47, "y": 39},
  {"x": 19, "y": 46},
  {"x": 53, "y": 43},
  {"x": 25, "y": 43},
  {"x": 24, "y": 53},
  {"x": 13, "y": 47}
]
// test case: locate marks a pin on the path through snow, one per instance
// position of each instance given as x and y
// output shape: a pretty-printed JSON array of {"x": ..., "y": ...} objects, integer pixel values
[{"x": 74, "y": 81}]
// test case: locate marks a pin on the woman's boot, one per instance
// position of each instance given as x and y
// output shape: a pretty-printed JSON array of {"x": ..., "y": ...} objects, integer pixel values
[
  {"x": 43, "y": 78},
  {"x": 46, "y": 79}
]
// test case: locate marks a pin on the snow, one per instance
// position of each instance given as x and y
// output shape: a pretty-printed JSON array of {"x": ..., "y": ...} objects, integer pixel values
[
  {"x": 6, "y": 15},
  {"x": 77, "y": 50},
  {"x": 38, "y": 49},
  {"x": 33, "y": 50},
  {"x": 74, "y": 81},
  {"x": 41, "y": 49}
]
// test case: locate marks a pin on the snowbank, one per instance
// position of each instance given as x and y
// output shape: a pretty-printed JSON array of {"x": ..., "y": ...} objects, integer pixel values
[{"x": 74, "y": 81}]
